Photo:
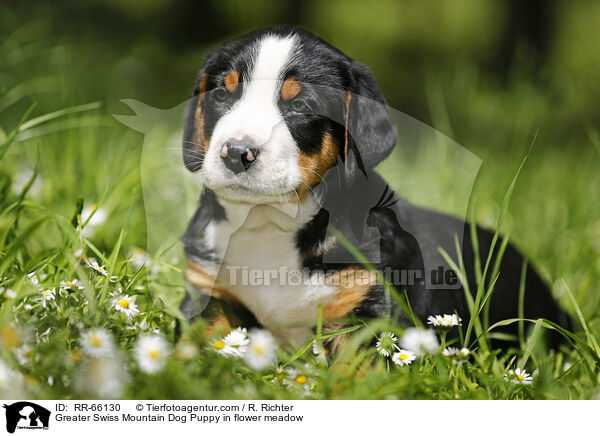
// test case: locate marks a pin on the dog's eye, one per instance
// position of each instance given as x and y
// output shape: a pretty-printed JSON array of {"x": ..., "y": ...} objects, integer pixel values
[
  {"x": 300, "y": 106},
  {"x": 220, "y": 94}
]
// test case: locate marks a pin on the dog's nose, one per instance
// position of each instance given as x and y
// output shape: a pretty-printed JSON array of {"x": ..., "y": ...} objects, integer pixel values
[{"x": 238, "y": 155}]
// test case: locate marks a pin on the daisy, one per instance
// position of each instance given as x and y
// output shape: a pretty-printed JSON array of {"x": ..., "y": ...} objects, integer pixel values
[
  {"x": 124, "y": 303},
  {"x": 299, "y": 379},
  {"x": 280, "y": 374},
  {"x": 23, "y": 354},
  {"x": 66, "y": 285},
  {"x": 151, "y": 352},
  {"x": 420, "y": 341},
  {"x": 221, "y": 347},
  {"x": 96, "y": 215},
  {"x": 138, "y": 257},
  {"x": 455, "y": 354},
  {"x": 261, "y": 351},
  {"x": 10, "y": 294},
  {"x": 237, "y": 340},
  {"x": 444, "y": 321},
  {"x": 102, "y": 377},
  {"x": 403, "y": 357},
  {"x": 386, "y": 343},
  {"x": 9, "y": 380},
  {"x": 93, "y": 264},
  {"x": 47, "y": 295},
  {"x": 320, "y": 351},
  {"x": 96, "y": 343},
  {"x": 518, "y": 376},
  {"x": 32, "y": 278},
  {"x": 186, "y": 350}
]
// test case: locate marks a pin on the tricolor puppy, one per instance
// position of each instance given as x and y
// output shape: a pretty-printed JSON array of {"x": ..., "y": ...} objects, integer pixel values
[{"x": 284, "y": 131}]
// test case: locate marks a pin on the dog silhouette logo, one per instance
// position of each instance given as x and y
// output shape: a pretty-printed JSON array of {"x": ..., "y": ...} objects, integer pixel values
[{"x": 26, "y": 415}]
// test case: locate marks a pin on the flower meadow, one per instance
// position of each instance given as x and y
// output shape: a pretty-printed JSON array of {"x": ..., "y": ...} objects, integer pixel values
[{"x": 77, "y": 326}]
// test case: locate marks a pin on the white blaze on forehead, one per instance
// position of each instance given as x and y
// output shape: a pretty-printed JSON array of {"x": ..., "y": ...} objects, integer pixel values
[
  {"x": 273, "y": 54},
  {"x": 256, "y": 113}
]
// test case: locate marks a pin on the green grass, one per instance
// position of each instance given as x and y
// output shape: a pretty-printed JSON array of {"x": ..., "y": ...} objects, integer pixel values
[{"x": 67, "y": 153}]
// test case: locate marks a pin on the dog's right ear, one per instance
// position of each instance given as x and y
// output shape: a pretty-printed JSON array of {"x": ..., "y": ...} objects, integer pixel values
[{"x": 194, "y": 142}]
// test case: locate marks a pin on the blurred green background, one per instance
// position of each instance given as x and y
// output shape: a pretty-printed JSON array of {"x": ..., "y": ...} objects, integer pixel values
[{"x": 490, "y": 74}]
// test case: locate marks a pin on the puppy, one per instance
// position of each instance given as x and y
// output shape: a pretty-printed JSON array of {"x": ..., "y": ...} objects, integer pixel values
[{"x": 284, "y": 131}]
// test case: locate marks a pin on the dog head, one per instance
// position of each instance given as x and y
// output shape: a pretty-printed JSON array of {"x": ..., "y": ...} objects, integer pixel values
[{"x": 273, "y": 111}]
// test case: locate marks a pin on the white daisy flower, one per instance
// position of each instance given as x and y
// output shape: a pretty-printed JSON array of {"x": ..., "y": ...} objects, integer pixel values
[
  {"x": 221, "y": 347},
  {"x": 97, "y": 343},
  {"x": 419, "y": 341},
  {"x": 47, "y": 295},
  {"x": 237, "y": 340},
  {"x": 518, "y": 376},
  {"x": 93, "y": 264},
  {"x": 125, "y": 304},
  {"x": 23, "y": 354},
  {"x": 403, "y": 357},
  {"x": 10, "y": 381},
  {"x": 186, "y": 350},
  {"x": 299, "y": 380},
  {"x": 33, "y": 279},
  {"x": 455, "y": 354},
  {"x": 444, "y": 321},
  {"x": 70, "y": 285},
  {"x": 22, "y": 178},
  {"x": 151, "y": 352},
  {"x": 386, "y": 343},
  {"x": 261, "y": 351},
  {"x": 320, "y": 351},
  {"x": 139, "y": 258},
  {"x": 280, "y": 374},
  {"x": 10, "y": 294},
  {"x": 102, "y": 377},
  {"x": 98, "y": 217}
]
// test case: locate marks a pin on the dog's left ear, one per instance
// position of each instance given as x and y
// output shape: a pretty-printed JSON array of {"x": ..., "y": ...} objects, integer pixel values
[{"x": 370, "y": 134}]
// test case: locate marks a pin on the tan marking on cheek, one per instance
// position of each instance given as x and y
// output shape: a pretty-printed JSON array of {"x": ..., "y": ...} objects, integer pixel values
[
  {"x": 313, "y": 167},
  {"x": 199, "y": 138},
  {"x": 290, "y": 88},
  {"x": 231, "y": 81},
  {"x": 353, "y": 285},
  {"x": 207, "y": 283}
]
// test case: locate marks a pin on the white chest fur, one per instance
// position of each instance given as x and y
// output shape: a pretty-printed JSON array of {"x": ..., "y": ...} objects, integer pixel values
[{"x": 261, "y": 266}]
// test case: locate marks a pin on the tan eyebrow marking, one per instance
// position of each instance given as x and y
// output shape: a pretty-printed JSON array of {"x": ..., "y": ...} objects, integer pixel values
[
  {"x": 290, "y": 88},
  {"x": 231, "y": 81}
]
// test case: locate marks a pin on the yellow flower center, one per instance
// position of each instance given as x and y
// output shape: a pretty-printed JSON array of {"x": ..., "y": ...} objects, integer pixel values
[
  {"x": 10, "y": 337},
  {"x": 520, "y": 377},
  {"x": 301, "y": 379},
  {"x": 96, "y": 342},
  {"x": 403, "y": 356},
  {"x": 258, "y": 349},
  {"x": 219, "y": 344},
  {"x": 124, "y": 303},
  {"x": 154, "y": 354},
  {"x": 69, "y": 284}
]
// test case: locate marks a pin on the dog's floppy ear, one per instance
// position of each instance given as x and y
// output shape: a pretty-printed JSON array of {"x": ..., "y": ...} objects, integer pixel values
[
  {"x": 370, "y": 134},
  {"x": 194, "y": 142}
]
